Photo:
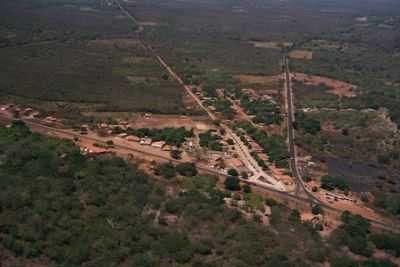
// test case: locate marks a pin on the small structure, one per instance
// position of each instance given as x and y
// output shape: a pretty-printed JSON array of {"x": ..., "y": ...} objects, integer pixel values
[
  {"x": 122, "y": 135},
  {"x": 158, "y": 144},
  {"x": 27, "y": 111},
  {"x": 49, "y": 120},
  {"x": 268, "y": 211},
  {"x": 167, "y": 148},
  {"x": 146, "y": 141},
  {"x": 35, "y": 114},
  {"x": 132, "y": 138}
]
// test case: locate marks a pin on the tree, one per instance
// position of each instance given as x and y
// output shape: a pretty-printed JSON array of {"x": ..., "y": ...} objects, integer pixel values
[
  {"x": 247, "y": 188},
  {"x": 354, "y": 233},
  {"x": 343, "y": 261},
  {"x": 330, "y": 183},
  {"x": 176, "y": 154},
  {"x": 186, "y": 169},
  {"x": 166, "y": 170},
  {"x": 294, "y": 216},
  {"x": 378, "y": 263},
  {"x": 110, "y": 143},
  {"x": 233, "y": 172},
  {"x": 316, "y": 209},
  {"x": 232, "y": 183}
]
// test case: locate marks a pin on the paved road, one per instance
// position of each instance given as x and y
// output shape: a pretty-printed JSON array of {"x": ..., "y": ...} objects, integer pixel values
[{"x": 300, "y": 187}]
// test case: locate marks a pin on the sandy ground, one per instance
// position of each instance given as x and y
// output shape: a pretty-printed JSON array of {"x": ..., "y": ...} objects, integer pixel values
[
  {"x": 118, "y": 42},
  {"x": 270, "y": 45},
  {"x": 301, "y": 54},
  {"x": 136, "y": 60},
  {"x": 380, "y": 254},
  {"x": 123, "y": 147},
  {"x": 281, "y": 174},
  {"x": 339, "y": 88},
  {"x": 148, "y": 23},
  {"x": 329, "y": 223},
  {"x": 259, "y": 79},
  {"x": 162, "y": 121}
]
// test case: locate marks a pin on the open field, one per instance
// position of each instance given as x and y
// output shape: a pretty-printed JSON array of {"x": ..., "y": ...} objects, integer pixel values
[
  {"x": 301, "y": 54},
  {"x": 336, "y": 87},
  {"x": 82, "y": 57},
  {"x": 95, "y": 74}
]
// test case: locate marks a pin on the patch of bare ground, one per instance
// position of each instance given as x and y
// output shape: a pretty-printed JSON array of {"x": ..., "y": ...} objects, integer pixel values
[
  {"x": 270, "y": 44},
  {"x": 337, "y": 87},
  {"x": 162, "y": 121},
  {"x": 327, "y": 44},
  {"x": 301, "y": 54},
  {"x": 191, "y": 104},
  {"x": 139, "y": 79},
  {"x": 136, "y": 60},
  {"x": 258, "y": 79},
  {"x": 330, "y": 224},
  {"x": 380, "y": 254},
  {"x": 385, "y": 122},
  {"x": 148, "y": 23},
  {"x": 88, "y": 9},
  {"x": 118, "y": 42},
  {"x": 281, "y": 175}
]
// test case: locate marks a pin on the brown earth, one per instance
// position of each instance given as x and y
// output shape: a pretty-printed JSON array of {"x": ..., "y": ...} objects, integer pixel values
[
  {"x": 148, "y": 23},
  {"x": 270, "y": 45},
  {"x": 118, "y": 42},
  {"x": 339, "y": 88},
  {"x": 301, "y": 54},
  {"x": 162, "y": 121},
  {"x": 259, "y": 79},
  {"x": 136, "y": 60}
]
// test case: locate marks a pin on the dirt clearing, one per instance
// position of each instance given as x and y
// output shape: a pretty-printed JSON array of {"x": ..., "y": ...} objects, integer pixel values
[
  {"x": 136, "y": 60},
  {"x": 339, "y": 88},
  {"x": 270, "y": 45},
  {"x": 259, "y": 79},
  {"x": 301, "y": 54},
  {"x": 148, "y": 23},
  {"x": 118, "y": 43},
  {"x": 162, "y": 121}
]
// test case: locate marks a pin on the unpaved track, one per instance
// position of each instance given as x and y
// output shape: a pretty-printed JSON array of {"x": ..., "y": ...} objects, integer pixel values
[
  {"x": 292, "y": 148},
  {"x": 244, "y": 154}
]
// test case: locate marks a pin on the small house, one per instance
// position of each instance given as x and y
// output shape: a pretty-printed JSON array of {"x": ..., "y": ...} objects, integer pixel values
[
  {"x": 158, "y": 144},
  {"x": 132, "y": 138},
  {"x": 146, "y": 141}
]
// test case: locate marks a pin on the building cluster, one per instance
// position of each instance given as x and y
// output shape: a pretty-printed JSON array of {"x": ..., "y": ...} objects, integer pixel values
[
  {"x": 18, "y": 111},
  {"x": 145, "y": 141}
]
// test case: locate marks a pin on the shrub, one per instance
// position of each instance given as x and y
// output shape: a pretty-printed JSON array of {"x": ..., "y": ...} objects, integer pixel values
[
  {"x": 232, "y": 183},
  {"x": 233, "y": 172},
  {"x": 186, "y": 169},
  {"x": 166, "y": 170}
]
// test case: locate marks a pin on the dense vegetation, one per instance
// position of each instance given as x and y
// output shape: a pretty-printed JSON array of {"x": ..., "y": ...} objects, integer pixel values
[
  {"x": 210, "y": 140},
  {"x": 64, "y": 209},
  {"x": 273, "y": 145},
  {"x": 224, "y": 106},
  {"x": 264, "y": 111},
  {"x": 330, "y": 183},
  {"x": 309, "y": 125}
]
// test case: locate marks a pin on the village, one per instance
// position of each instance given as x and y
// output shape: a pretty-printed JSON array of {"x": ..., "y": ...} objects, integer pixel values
[{"x": 201, "y": 142}]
